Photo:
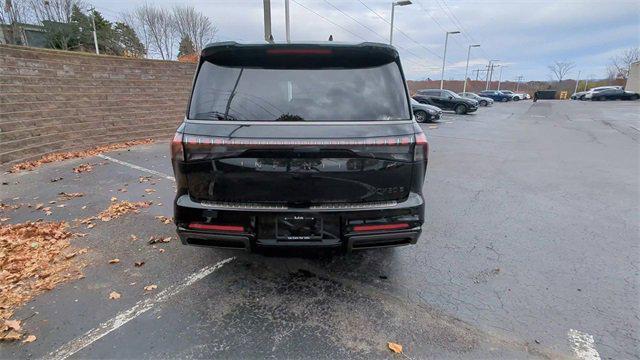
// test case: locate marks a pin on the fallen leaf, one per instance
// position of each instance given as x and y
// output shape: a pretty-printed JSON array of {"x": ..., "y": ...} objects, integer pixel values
[
  {"x": 138, "y": 263},
  {"x": 114, "y": 199},
  {"x": 30, "y": 339},
  {"x": 150, "y": 287},
  {"x": 11, "y": 336},
  {"x": 90, "y": 226},
  {"x": 148, "y": 191},
  {"x": 82, "y": 168},
  {"x": 13, "y": 324},
  {"x": 39, "y": 206},
  {"x": 114, "y": 295},
  {"x": 84, "y": 207},
  {"x": 133, "y": 237},
  {"x": 161, "y": 250},
  {"x": 433, "y": 126},
  {"x": 114, "y": 261},
  {"x": 396, "y": 348},
  {"x": 69, "y": 256}
]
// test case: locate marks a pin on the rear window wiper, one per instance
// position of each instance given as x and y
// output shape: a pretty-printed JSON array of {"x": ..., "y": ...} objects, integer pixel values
[{"x": 214, "y": 115}]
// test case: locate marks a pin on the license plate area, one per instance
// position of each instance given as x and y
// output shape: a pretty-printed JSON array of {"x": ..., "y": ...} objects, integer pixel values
[{"x": 298, "y": 228}]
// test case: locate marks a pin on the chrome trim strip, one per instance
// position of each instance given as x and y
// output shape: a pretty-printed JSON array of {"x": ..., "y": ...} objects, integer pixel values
[{"x": 332, "y": 206}]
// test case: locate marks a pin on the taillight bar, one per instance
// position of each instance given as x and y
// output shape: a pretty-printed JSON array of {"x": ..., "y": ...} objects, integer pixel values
[
  {"x": 299, "y": 52},
  {"x": 379, "y": 227},
  {"x": 376, "y": 141},
  {"x": 214, "y": 227}
]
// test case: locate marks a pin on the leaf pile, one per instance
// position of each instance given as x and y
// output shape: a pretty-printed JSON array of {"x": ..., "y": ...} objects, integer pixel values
[
  {"x": 123, "y": 207},
  {"x": 30, "y": 165},
  {"x": 82, "y": 168},
  {"x": 34, "y": 258},
  {"x": 164, "y": 219}
]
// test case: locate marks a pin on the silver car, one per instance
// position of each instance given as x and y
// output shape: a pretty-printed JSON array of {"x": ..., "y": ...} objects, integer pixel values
[{"x": 482, "y": 101}]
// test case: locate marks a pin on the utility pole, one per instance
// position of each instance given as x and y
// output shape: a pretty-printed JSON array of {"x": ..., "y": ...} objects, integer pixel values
[
  {"x": 466, "y": 70},
  {"x": 95, "y": 35},
  {"x": 489, "y": 68},
  {"x": 267, "y": 21},
  {"x": 478, "y": 71},
  {"x": 577, "y": 82},
  {"x": 500, "y": 78},
  {"x": 287, "y": 23},
  {"x": 518, "y": 83}
]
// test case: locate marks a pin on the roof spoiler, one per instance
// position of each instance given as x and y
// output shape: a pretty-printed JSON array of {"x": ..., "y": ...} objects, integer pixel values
[{"x": 299, "y": 56}]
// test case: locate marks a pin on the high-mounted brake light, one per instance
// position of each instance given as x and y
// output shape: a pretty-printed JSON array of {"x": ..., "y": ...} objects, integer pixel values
[
  {"x": 213, "y": 227},
  {"x": 299, "y": 52},
  {"x": 177, "y": 150},
  {"x": 380, "y": 227}
]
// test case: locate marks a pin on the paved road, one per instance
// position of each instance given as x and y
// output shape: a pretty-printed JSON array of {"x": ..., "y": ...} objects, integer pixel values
[{"x": 530, "y": 250}]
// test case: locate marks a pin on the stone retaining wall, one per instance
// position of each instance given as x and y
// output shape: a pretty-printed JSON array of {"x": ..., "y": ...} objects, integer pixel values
[{"x": 58, "y": 101}]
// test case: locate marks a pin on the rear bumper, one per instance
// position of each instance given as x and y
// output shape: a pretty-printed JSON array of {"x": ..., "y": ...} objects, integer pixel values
[{"x": 338, "y": 232}]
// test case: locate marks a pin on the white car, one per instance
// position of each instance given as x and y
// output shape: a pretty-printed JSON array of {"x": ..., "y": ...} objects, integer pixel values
[
  {"x": 595, "y": 90},
  {"x": 514, "y": 96}
]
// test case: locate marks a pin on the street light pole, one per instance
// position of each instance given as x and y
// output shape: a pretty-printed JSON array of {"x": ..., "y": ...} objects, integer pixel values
[
  {"x": 286, "y": 21},
  {"x": 393, "y": 7},
  {"x": 518, "y": 83},
  {"x": 466, "y": 70},
  {"x": 444, "y": 56},
  {"x": 95, "y": 35}
]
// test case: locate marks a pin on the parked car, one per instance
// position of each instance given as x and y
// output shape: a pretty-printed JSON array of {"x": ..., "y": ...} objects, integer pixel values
[
  {"x": 446, "y": 100},
  {"x": 578, "y": 95},
  {"x": 265, "y": 158},
  {"x": 425, "y": 112},
  {"x": 482, "y": 101},
  {"x": 596, "y": 90},
  {"x": 614, "y": 94},
  {"x": 514, "y": 96},
  {"x": 495, "y": 95},
  {"x": 526, "y": 96}
]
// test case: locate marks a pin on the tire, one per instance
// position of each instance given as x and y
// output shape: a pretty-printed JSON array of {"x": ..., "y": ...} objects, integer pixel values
[
  {"x": 421, "y": 116},
  {"x": 460, "y": 109},
  {"x": 483, "y": 103},
  {"x": 516, "y": 98},
  {"x": 635, "y": 97},
  {"x": 504, "y": 99}
]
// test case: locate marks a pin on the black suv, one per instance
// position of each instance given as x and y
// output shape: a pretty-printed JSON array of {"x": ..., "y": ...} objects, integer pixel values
[
  {"x": 299, "y": 145},
  {"x": 446, "y": 100}
]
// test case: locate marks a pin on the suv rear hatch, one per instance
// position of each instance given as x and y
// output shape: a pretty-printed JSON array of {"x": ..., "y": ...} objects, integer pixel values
[{"x": 299, "y": 126}]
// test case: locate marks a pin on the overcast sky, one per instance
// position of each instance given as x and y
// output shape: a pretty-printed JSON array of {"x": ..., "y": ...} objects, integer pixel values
[{"x": 527, "y": 36}]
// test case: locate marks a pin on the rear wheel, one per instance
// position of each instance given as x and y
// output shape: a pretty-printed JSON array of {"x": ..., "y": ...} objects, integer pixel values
[
  {"x": 516, "y": 98},
  {"x": 635, "y": 97},
  {"x": 421, "y": 116},
  {"x": 460, "y": 109},
  {"x": 483, "y": 103},
  {"x": 504, "y": 99}
]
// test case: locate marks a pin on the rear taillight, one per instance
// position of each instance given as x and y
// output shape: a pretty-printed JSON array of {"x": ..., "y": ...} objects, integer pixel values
[
  {"x": 299, "y": 52},
  {"x": 421, "y": 151},
  {"x": 177, "y": 150},
  {"x": 214, "y": 227},
  {"x": 381, "y": 227}
]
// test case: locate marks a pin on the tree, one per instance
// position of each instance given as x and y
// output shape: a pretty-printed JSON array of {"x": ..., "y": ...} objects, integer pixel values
[
  {"x": 128, "y": 40},
  {"x": 621, "y": 63},
  {"x": 193, "y": 25},
  {"x": 13, "y": 13},
  {"x": 55, "y": 10},
  {"x": 185, "y": 47},
  {"x": 159, "y": 29},
  {"x": 560, "y": 69}
]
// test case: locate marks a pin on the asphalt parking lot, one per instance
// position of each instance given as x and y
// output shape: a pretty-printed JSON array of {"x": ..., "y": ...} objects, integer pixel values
[{"x": 530, "y": 249}]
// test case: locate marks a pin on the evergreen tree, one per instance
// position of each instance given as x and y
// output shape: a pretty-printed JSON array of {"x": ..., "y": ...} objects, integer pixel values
[
  {"x": 186, "y": 47},
  {"x": 128, "y": 41}
]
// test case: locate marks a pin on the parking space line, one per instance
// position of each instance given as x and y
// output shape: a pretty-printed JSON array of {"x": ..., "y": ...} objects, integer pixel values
[
  {"x": 134, "y": 166},
  {"x": 138, "y": 309},
  {"x": 582, "y": 345}
]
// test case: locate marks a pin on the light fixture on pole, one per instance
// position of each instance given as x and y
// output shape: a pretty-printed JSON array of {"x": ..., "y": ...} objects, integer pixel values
[
  {"x": 393, "y": 6},
  {"x": 444, "y": 56},
  {"x": 466, "y": 70},
  {"x": 489, "y": 68}
]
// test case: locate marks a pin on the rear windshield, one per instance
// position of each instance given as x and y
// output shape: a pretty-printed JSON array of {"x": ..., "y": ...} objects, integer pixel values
[{"x": 235, "y": 93}]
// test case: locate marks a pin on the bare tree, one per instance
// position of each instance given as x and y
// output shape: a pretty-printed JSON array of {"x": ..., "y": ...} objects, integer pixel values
[
  {"x": 194, "y": 25},
  {"x": 12, "y": 13},
  {"x": 157, "y": 28},
  {"x": 559, "y": 69},
  {"x": 54, "y": 10},
  {"x": 621, "y": 63}
]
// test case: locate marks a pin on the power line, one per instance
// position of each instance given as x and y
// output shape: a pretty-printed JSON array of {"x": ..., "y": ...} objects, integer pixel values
[{"x": 400, "y": 31}]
